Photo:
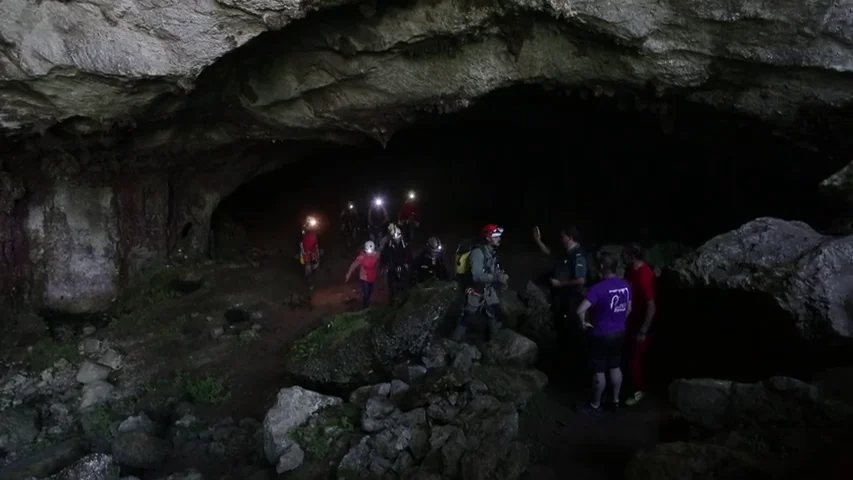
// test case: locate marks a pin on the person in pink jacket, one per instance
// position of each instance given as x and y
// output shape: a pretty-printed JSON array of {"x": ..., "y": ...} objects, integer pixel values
[{"x": 368, "y": 261}]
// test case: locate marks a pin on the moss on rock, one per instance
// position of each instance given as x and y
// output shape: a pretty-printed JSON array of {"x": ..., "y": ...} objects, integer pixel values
[
  {"x": 337, "y": 329},
  {"x": 319, "y": 436},
  {"x": 358, "y": 348}
]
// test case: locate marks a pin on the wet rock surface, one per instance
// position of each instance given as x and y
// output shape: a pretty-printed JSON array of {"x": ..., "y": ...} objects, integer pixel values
[{"x": 779, "y": 428}]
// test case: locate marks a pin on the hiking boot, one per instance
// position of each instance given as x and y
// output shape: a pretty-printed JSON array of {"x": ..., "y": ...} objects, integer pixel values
[
  {"x": 459, "y": 334},
  {"x": 587, "y": 408},
  {"x": 634, "y": 399}
]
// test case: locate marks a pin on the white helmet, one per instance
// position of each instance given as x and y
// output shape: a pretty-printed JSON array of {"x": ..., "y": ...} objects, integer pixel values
[{"x": 369, "y": 246}]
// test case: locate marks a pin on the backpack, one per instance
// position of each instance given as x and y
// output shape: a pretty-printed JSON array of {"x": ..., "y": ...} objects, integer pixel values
[{"x": 463, "y": 251}]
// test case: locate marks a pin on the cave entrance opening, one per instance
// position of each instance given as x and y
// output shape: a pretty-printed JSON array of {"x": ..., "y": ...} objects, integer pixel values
[
  {"x": 267, "y": 212},
  {"x": 622, "y": 167}
]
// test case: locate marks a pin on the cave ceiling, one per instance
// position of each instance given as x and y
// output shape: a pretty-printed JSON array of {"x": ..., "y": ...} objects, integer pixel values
[{"x": 172, "y": 75}]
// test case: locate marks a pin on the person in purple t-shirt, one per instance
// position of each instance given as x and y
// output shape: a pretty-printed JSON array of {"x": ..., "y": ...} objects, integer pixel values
[{"x": 603, "y": 315}]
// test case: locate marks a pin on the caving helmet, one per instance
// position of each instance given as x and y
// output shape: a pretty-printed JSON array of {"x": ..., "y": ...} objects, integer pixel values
[
  {"x": 410, "y": 197},
  {"x": 434, "y": 244},
  {"x": 492, "y": 231},
  {"x": 369, "y": 246}
]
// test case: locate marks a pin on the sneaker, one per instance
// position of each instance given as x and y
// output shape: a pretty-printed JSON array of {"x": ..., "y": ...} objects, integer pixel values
[
  {"x": 635, "y": 399},
  {"x": 586, "y": 408}
]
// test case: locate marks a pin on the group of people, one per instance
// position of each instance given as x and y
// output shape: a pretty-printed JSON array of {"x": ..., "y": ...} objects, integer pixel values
[
  {"x": 377, "y": 219},
  {"x": 394, "y": 256},
  {"x": 607, "y": 321}
]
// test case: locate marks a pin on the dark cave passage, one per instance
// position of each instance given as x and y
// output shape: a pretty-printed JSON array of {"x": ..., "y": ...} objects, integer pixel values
[
  {"x": 526, "y": 156},
  {"x": 619, "y": 167}
]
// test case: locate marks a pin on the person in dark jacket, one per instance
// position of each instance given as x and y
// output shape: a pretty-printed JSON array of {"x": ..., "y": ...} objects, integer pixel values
[
  {"x": 567, "y": 281},
  {"x": 397, "y": 260},
  {"x": 430, "y": 263}
]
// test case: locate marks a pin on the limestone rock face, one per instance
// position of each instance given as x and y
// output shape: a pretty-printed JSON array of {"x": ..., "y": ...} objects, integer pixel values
[
  {"x": 802, "y": 277},
  {"x": 104, "y": 59},
  {"x": 73, "y": 240},
  {"x": 104, "y": 63}
]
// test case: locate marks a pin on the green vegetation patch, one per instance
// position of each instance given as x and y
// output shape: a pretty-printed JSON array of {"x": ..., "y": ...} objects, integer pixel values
[
  {"x": 101, "y": 419},
  {"x": 338, "y": 329},
  {"x": 342, "y": 327},
  {"x": 319, "y": 434},
  {"x": 46, "y": 352},
  {"x": 209, "y": 390}
]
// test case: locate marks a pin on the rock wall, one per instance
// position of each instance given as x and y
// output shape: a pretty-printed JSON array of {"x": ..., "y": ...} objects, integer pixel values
[
  {"x": 98, "y": 65},
  {"x": 72, "y": 237},
  {"x": 76, "y": 231}
]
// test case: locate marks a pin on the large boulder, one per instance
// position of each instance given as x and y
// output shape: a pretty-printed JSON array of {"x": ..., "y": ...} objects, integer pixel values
[
  {"x": 363, "y": 347},
  {"x": 771, "y": 429},
  {"x": 294, "y": 406},
  {"x": 775, "y": 293},
  {"x": 96, "y": 466},
  {"x": 537, "y": 322}
]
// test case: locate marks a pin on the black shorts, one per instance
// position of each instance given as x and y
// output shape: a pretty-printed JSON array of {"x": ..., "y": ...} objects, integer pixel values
[{"x": 605, "y": 351}]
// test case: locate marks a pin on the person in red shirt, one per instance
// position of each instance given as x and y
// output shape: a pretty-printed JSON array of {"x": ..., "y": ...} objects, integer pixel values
[
  {"x": 368, "y": 263},
  {"x": 309, "y": 250},
  {"x": 641, "y": 278},
  {"x": 409, "y": 217}
]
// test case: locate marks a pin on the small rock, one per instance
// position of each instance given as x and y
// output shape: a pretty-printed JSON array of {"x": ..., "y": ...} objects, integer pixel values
[
  {"x": 291, "y": 458},
  {"x": 257, "y": 327},
  {"x": 398, "y": 389},
  {"x": 95, "y": 393},
  {"x": 60, "y": 364},
  {"x": 249, "y": 335},
  {"x": 137, "y": 423},
  {"x": 92, "y": 372},
  {"x": 190, "y": 474},
  {"x": 217, "y": 332},
  {"x": 511, "y": 349},
  {"x": 112, "y": 359},
  {"x": 186, "y": 421},
  {"x": 89, "y": 330},
  {"x": 90, "y": 346},
  {"x": 361, "y": 395},
  {"x": 139, "y": 450},
  {"x": 409, "y": 373}
]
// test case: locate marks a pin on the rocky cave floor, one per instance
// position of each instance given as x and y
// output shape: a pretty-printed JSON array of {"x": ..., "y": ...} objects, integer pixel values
[{"x": 190, "y": 378}]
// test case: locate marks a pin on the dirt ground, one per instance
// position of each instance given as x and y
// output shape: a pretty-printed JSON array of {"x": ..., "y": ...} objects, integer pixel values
[{"x": 266, "y": 292}]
